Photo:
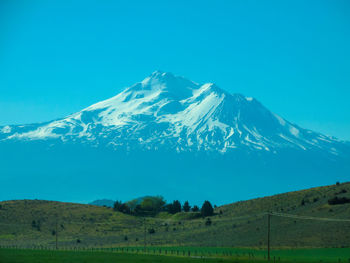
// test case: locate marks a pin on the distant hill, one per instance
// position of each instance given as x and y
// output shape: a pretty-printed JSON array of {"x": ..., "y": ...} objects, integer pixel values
[
  {"x": 103, "y": 202},
  {"x": 243, "y": 224}
]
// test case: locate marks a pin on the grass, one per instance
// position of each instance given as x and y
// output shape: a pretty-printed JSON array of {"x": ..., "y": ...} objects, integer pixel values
[
  {"x": 38, "y": 256},
  {"x": 196, "y": 255}
]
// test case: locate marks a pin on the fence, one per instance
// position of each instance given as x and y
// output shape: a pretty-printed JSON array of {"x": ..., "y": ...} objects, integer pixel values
[{"x": 266, "y": 243}]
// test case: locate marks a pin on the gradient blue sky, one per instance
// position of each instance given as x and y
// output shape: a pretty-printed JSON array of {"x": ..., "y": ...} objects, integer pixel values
[{"x": 57, "y": 57}]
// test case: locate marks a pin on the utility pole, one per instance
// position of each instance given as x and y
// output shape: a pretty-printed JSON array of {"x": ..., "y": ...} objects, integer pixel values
[
  {"x": 268, "y": 235},
  {"x": 56, "y": 234},
  {"x": 144, "y": 237}
]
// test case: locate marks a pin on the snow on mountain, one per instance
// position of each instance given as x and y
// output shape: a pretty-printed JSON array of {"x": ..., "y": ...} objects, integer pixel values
[{"x": 170, "y": 112}]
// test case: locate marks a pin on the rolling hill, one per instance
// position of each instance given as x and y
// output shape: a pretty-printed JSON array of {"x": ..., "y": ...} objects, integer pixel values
[{"x": 29, "y": 223}]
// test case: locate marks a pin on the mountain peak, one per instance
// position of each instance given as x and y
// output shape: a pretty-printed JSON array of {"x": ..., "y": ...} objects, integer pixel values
[
  {"x": 160, "y": 73},
  {"x": 167, "y": 82},
  {"x": 159, "y": 76}
]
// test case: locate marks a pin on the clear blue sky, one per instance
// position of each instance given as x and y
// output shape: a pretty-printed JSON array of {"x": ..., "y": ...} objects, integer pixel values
[{"x": 57, "y": 57}]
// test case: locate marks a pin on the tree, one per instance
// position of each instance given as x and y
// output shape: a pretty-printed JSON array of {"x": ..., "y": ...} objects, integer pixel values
[
  {"x": 145, "y": 206},
  {"x": 207, "y": 209},
  {"x": 186, "y": 207},
  {"x": 176, "y": 207},
  {"x": 195, "y": 208},
  {"x": 173, "y": 208},
  {"x": 121, "y": 207},
  {"x": 152, "y": 205},
  {"x": 125, "y": 209},
  {"x": 117, "y": 205}
]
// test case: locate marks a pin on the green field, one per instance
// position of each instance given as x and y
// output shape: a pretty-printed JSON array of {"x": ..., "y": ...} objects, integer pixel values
[
  {"x": 38, "y": 256},
  {"x": 174, "y": 254}
]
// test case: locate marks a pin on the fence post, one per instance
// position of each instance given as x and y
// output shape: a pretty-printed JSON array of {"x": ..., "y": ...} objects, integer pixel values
[{"x": 268, "y": 236}]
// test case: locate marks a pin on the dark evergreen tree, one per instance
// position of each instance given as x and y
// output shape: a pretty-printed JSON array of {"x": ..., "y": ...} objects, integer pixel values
[
  {"x": 125, "y": 209},
  {"x": 168, "y": 208},
  {"x": 195, "y": 208},
  {"x": 207, "y": 209},
  {"x": 186, "y": 207},
  {"x": 176, "y": 207},
  {"x": 117, "y": 205}
]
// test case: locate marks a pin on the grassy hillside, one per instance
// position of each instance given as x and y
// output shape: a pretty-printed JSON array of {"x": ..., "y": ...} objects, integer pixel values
[{"x": 31, "y": 223}]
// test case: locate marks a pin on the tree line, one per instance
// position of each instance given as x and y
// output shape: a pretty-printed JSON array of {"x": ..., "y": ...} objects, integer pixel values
[{"x": 152, "y": 205}]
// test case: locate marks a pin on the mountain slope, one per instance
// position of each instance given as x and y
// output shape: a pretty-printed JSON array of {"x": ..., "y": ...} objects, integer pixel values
[
  {"x": 172, "y": 113},
  {"x": 170, "y": 136}
]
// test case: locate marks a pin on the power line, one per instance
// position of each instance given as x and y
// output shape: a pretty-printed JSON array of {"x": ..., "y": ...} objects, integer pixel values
[{"x": 310, "y": 217}]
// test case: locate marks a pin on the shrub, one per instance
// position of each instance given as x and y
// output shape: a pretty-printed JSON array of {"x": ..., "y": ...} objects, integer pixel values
[
  {"x": 36, "y": 225},
  {"x": 195, "y": 209},
  {"x": 338, "y": 201},
  {"x": 208, "y": 222}
]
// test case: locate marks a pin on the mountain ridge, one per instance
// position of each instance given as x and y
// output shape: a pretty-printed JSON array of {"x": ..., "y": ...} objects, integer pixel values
[{"x": 179, "y": 112}]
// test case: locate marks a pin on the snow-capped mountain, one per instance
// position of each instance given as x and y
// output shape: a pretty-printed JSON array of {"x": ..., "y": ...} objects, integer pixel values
[
  {"x": 170, "y": 136},
  {"x": 172, "y": 113}
]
